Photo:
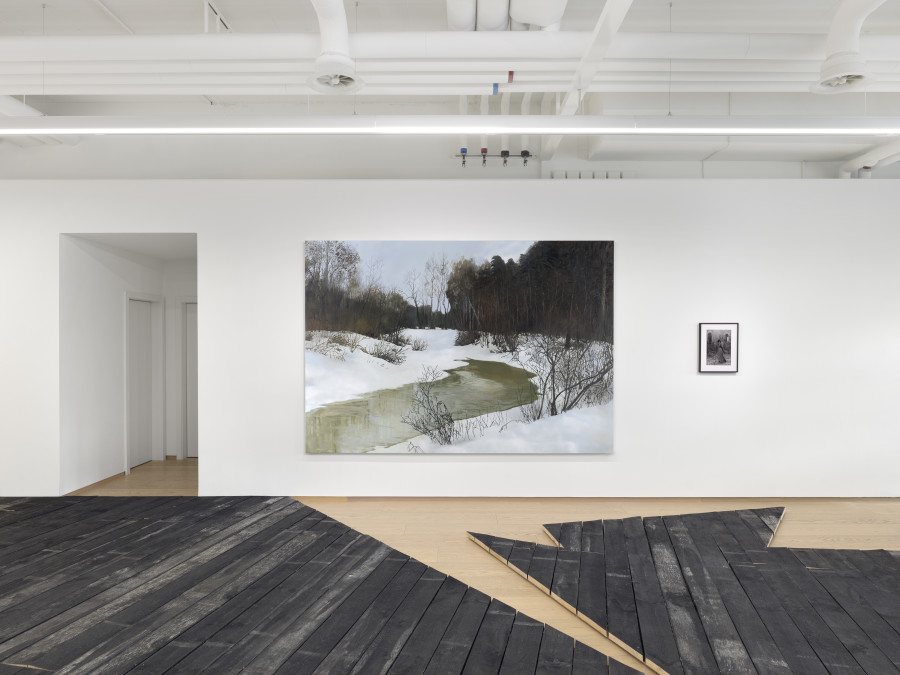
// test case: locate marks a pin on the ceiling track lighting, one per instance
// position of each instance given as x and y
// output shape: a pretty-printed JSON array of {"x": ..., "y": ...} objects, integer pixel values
[{"x": 412, "y": 125}]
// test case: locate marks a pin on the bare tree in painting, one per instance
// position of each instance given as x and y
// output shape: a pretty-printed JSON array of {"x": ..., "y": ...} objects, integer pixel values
[{"x": 570, "y": 373}]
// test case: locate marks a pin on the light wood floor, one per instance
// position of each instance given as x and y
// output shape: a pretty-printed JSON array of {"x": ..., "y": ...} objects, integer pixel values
[
  {"x": 169, "y": 478},
  {"x": 434, "y": 530}
]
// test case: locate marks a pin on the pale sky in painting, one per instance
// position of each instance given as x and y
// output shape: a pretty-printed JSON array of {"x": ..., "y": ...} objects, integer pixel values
[{"x": 398, "y": 257}]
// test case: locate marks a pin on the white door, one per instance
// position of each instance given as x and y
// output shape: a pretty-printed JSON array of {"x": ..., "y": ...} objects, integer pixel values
[
  {"x": 140, "y": 383},
  {"x": 190, "y": 364}
]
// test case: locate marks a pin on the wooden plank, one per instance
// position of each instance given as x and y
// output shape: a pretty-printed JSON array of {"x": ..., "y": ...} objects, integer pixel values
[
  {"x": 757, "y": 525},
  {"x": 181, "y": 587},
  {"x": 543, "y": 562},
  {"x": 592, "y": 536},
  {"x": 222, "y": 530},
  {"x": 592, "y": 590},
  {"x": 325, "y": 531},
  {"x": 453, "y": 649},
  {"x": 799, "y": 655},
  {"x": 499, "y": 547},
  {"x": 132, "y": 635},
  {"x": 848, "y": 632},
  {"x": 746, "y": 537},
  {"x": 690, "y": 637},
  {"x": 381, "y": 653},
  {"x": 726, "y": 645},
  {"x": 347, "y": 651},
  {"x": 760, "y": 645},
  {"x": 858, "y": 608},
  {"x": 553, "y": 531},
  {"x": 619, "y": 668},
  {"x": 108, "y": 574},
  {"x": 61, "y": 529},
  {"x": 422, "y": 643},
  {"x": 886, "y": 604},
  {"x": 588, "y": 661},
  {"x": 826, "y": 645},
  {"x": 215, "y": 623},
  {"x": 483, "y": 540},
  {"x": 486, "y": 655},
  {"x": 570, "y": 536},
  {"x": 255, "y": 629},
  {"x": 163, "y": 660},
  {"x": 556, "y": 653},
  {"x": 521, "y": 655},
  {"x": 320, "y": 641},
  {"x": 771, "y": 517},
  {"x": 359, "y": 564},
  {"x": 621, "y": 610},
  {"x": 657, "y": 637},
  {"x": 881, "y": 567},
  {"x": 520, "y": 557},
  {"x": 564, "y": 587},
  {"x": 311, "y": 564}
]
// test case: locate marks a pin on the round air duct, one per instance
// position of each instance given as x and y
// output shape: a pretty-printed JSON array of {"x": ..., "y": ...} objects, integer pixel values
[
  {"x": 335, "y": 71},
  {"x": 844, "y": 68}
]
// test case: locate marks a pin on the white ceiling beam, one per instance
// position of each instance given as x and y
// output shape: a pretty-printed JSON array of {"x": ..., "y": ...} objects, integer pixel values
[
  {"x": 533, "y": 45},
  {"x": 604, "y": 33},
  {"x": 13, "y": 107},
  {"x": 115, "y": 17}
]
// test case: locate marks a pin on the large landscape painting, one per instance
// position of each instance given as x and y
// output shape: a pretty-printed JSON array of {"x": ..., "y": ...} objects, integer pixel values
[{"x": 459, "y": 347}]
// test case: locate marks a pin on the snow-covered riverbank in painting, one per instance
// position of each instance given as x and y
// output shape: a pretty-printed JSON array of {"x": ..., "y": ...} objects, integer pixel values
[{"x": 479, "y": 355}]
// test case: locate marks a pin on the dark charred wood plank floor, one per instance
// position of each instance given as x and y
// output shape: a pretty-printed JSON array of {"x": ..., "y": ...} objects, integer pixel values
[
  {"x": 703, "y": 593},
  {"x": 255, "y": 585}
]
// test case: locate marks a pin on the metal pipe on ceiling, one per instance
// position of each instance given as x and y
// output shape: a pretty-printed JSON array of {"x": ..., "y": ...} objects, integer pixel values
[{"x": 876, "y": 158}]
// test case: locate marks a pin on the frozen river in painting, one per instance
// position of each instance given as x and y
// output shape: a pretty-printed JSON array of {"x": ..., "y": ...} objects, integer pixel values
[{"x": 372, "y": 420}]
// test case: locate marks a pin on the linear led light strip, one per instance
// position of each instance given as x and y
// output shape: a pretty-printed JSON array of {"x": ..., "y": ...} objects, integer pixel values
[{"x": 362, "y": 125}]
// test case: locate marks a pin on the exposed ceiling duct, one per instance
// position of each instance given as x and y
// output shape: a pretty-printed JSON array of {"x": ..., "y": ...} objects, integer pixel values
[
  {"x": 335, "y": 71},
  {"x": 500, "y": 15},
  {"x": 492, "y": 15},
  {"x": 543, "y": 14},
  {"x": 461, "y": 14},
  {"x": 845, "y": 68}
]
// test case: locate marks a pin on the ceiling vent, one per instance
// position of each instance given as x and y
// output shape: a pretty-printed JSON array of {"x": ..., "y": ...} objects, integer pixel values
[
  {"x": 335, "y": 71},
  {"x": 844, "y": 69},
  {"x": 335, "y": 74},
  {"x": 841, "y": 73}
]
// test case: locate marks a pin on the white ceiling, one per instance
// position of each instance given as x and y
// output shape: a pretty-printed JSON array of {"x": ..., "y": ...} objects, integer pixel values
[
  {"x": 165, "y": 246},
  {"x": 678, "y": 58}
]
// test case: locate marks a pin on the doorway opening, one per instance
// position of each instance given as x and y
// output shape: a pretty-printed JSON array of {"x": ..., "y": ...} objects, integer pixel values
[{"x": 128, "y": 362}]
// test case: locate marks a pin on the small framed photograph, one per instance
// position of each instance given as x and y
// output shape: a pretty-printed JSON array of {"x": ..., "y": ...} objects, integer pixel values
[{"x": 718, "y": 347}]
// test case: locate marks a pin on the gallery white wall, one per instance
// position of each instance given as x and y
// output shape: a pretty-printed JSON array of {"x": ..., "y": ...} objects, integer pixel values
[{"x": 807, "y": 268}]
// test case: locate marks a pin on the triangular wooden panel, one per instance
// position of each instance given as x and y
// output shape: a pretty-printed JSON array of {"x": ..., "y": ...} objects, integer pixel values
[
  {"x": 96, "y": 586},
  {"x": 702, "y": 593},
  {"x": 553, "y": 531}
]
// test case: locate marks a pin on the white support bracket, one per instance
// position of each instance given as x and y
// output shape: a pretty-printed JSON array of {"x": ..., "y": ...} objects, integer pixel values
[{"x": 604, "y": 33}]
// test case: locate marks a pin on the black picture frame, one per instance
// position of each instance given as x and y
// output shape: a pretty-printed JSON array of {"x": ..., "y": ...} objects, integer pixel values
[{"x": 718, "y": 347}]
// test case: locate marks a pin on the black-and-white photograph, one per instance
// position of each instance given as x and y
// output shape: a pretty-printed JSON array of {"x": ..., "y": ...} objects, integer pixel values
[{"x": 718, "y": 348}]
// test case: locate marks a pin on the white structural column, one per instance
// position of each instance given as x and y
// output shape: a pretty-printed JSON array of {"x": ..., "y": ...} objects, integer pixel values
[{"x": 604, "y": 33}]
